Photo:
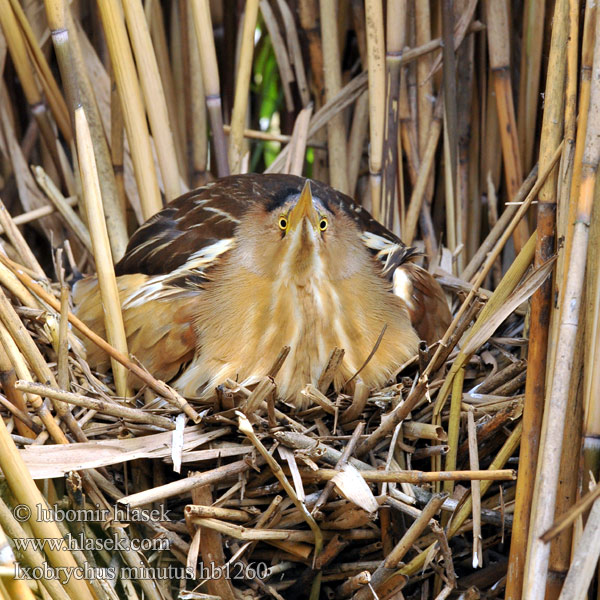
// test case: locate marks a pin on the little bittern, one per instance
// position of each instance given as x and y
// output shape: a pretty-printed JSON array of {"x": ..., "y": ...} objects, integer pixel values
[{"x": 217, "y": 283}]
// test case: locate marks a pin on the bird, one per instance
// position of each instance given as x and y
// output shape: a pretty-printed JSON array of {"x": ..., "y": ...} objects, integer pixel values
[{"x": 214, "y": 285}]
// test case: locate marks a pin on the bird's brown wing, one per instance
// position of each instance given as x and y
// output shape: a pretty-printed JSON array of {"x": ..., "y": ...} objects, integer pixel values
[
  {"x": 198, "y": 227},
  {"x": 425, "y": 299}
]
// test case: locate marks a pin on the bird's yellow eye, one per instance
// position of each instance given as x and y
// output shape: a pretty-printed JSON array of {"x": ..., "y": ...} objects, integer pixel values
[
  {"x": 323, "y": 223},
  {"x": 283, "y": 223}
]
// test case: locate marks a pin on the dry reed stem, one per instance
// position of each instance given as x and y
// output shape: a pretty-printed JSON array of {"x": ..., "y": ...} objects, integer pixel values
[
  {"x": 116, "y": 410},
  {"x": 45, "y": 76},
  {"x": 22, "y": 371},
  {"x": 109, "y": 293},
  {"x": 60, "y": 203},
  {"x": 295, "y": 51},
  {"x": 376, "y": 69},
  {"x": 332, "y": 76},
  {"x": 498, "y": 37},
  {"x": 552, "y": 440},
  {"x": 298, "y": 141},
  {"x": 29, "y": 556},
  {"x": 15, "y": 41},
  {"x": 132, "y": 105},
  {"x": 395, "y": 42},
  {"x": 541, "y": 303},
  {"x": 475, "y": 491},
  {"x": 529, "y": 82},
  {"x": 281, "y": 55},
  {"x": 585, "y": 559},
  {"x": 211, "y": 547},
  {"x": 242, "y": 88},
  {"x": 159, "y": 41},
  {"x": 156, "y": 104},
  {"x": 419, "y": 192},
  {"x": 210, "y": 77},
  {"x": 37, "y": 213},
  {"x": 11, "y": 231},
  {"x": 78, "y": 90},
  {"x": 26, "y": 492}
]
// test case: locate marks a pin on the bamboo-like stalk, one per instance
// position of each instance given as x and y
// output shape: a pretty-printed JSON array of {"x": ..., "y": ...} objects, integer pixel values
[
  {"x": 418, "y": 196},
  {"x": 336, "y": 130},
  {"x": 210, "y": 76},
  {"x": 376, "y": 69},
  {"x": 547, "y": 480},
  {"x": 26, "y": 492},
  {"x": 11, "y": 231},
  {"x": 159, "y": 40},
  {"x": 46, "y": 78},
  {"x": 116, "y": 410},
  {"x": 79, "y": 91},
  {"x": 585, "y": 558},
  {"x": 113, "y": 319},
  {"x": 529, "y": 82},
  {"x": 540, "y": 305},
  {"x": 156, "y": 104},
  {"x": 195, "y": 106},
  {"x": 395, "y": 42},
  {"x": 18, "y": 51},
  {"x": 59, "y": 201},
  {"x": 498, "y": 38},
  {"x": 242, "y": 88},
  {"x": 133, "y": 106}
]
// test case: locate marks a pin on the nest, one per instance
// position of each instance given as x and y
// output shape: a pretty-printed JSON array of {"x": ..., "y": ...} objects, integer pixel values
[{"x": 240, "y": 496}]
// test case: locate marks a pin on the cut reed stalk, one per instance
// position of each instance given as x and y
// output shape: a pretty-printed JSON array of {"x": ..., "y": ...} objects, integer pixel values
[
  {"x": 113, "y": 319},
  {"x": 210, "y": 77},
  {"x": 242, "y": 88},
  {"x": 18, "y": 52},
  {"x": 395, "y": 43},
  {"x": 376, "y": 69},
  {"x": 499, "y": 50},
  {"x": 132, "y": 105},
  {"x": 156, "y": 104},
  {"x": 529, "y": 81},
  {"x": 332, "y": 76}
]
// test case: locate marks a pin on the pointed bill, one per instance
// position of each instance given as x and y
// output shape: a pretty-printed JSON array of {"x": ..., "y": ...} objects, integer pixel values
[{"x": 304, "y": 208}]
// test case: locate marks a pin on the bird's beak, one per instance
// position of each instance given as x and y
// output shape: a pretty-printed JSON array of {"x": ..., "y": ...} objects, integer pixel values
[{"x": 304, "y": 208}]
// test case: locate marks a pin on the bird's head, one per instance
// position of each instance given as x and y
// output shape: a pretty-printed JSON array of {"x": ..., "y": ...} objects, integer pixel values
[{"x": 300, "y": 237}]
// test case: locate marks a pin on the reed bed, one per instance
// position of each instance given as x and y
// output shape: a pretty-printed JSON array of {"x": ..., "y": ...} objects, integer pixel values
[{"x": 470, "y": 129}]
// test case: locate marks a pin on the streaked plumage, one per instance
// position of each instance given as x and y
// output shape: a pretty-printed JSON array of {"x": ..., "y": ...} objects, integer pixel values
[{"x": 214, "y": 286}]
